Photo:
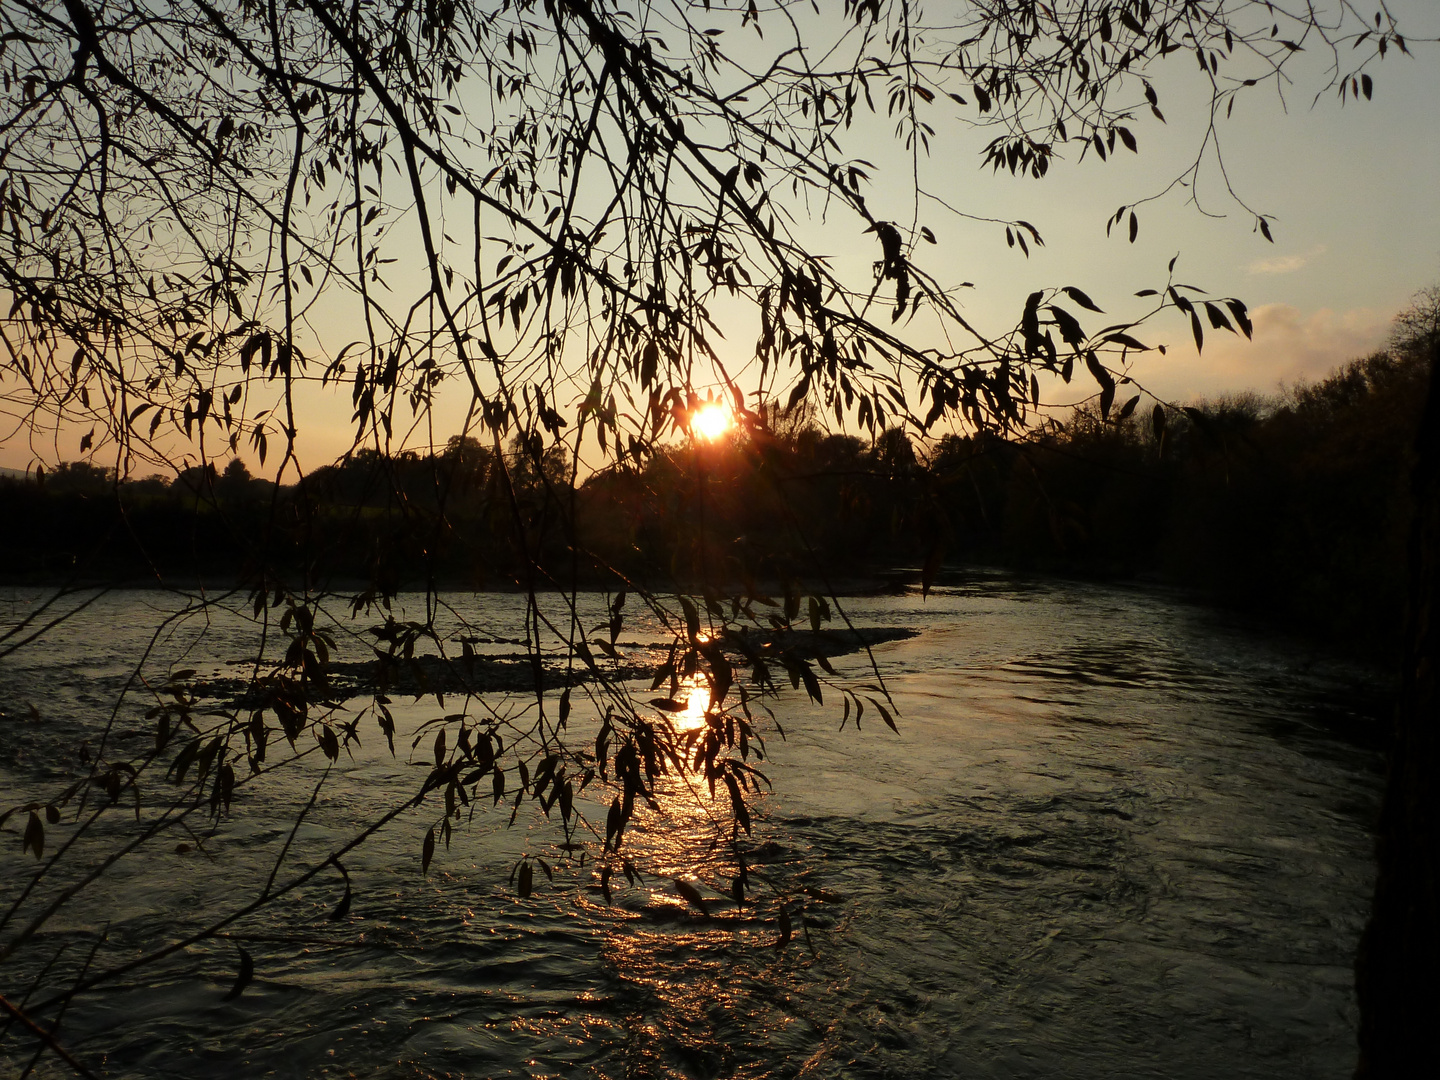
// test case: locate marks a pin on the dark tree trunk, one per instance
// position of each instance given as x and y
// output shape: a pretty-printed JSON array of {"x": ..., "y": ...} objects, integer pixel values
[{"x": 1398, "y": 967}]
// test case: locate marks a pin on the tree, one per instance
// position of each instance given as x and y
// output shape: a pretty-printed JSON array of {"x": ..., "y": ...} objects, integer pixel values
[
  {"x": 234, "y": 481},
  {"x": 535, "y": 220},
  {"x": 1395, "y": 971}
]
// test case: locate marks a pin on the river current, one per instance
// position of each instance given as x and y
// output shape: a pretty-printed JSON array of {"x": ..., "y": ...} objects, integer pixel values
[{"x": 1116, "y": 836}]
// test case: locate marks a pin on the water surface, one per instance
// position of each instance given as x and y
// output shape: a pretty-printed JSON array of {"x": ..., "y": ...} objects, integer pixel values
[{"x": 1116, "y": 836}]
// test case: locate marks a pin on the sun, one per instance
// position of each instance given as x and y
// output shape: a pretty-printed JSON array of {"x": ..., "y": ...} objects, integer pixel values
[{"x": 710, "y": 421}]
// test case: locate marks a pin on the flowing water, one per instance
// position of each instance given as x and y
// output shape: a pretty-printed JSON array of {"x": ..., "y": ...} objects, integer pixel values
[{"x": 1116, "y": 836}]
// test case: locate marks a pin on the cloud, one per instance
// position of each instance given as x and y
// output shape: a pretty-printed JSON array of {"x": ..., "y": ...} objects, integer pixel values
[
  {"x": 1289, "y": 347},
  {"x": 1285, "y": 264}
]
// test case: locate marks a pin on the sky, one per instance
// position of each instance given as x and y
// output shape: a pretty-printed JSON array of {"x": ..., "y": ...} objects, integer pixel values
[
  {"x": 1349, "y": 189},
  {"x": 1356, "y": 226}
]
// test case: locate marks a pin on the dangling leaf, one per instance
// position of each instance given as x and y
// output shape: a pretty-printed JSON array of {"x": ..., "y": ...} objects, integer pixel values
[
  {"x": 1080, "y": 298},
  {"x": 242, "y": 979},
  {"x": 784, "y": 938}
]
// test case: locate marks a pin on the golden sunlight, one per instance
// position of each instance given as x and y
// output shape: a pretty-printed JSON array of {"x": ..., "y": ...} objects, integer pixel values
[
  {"x": 710, "y": 421},
  {"x": 697, "y": 705}
]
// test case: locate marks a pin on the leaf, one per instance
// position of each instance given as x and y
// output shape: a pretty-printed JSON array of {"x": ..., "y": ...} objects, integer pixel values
[
  {"x": 784, "y": 938},
  {"x": 526, "y": 884},
  {"x": 1126, "y": 340},
  {"x": 1070, "y": 329},
  {"x": 427, "y": 850},
  {"x": 614, "y": 825},
  {"x": 1242, "y": 317},
  {"x": 1127, "y": 408},
  {"x": 1217, "y": 317},
  {"x": 1081, "y": 299},
  {"x": 34, "y": 836},
  {"x": 255, "y": 343},
  {"x": 1367, "y": 86},
  {"x": 184, "y": 759},
  {"x": 1197, "y": 330},
  {"x": 1157, "y": 421},
  {"x": 242, "y": 979},
  {"x": 1034, "y": 232},
  {"x": 1098, "y": 372},
  {"x": 1134, "y": 226},
  {"x": 692, "y": 617},
  {"x": 737, "y": 803},
  {"x": 812, "y": 684}
]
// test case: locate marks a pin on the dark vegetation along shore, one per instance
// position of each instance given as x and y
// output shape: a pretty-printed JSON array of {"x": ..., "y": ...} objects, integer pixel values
[{"x": 1294, "y": 506}]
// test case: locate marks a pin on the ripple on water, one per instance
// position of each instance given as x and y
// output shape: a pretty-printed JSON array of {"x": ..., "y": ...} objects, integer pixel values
[{"x": 1114, "y": 838}]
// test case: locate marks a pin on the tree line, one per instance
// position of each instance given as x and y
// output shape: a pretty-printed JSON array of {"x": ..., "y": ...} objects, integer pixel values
[{"x": 1295, "y": 505}]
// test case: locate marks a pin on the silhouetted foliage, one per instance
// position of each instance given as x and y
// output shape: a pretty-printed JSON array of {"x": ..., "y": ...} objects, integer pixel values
[
  {"x": 1395, "y": 969},
  {"x": 1295, "y": 506},
  {"x": 502, "y": 238}
]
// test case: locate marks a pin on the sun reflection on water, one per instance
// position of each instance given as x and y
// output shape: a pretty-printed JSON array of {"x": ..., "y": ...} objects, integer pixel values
[{"x": 697, "y": 704}]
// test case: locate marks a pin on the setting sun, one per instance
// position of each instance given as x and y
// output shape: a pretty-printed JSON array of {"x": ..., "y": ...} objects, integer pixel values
[{"x": 710, "y": 420}]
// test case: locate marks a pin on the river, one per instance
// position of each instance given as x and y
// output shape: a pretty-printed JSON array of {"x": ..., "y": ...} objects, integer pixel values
[{"x": 1116, "y": 836}]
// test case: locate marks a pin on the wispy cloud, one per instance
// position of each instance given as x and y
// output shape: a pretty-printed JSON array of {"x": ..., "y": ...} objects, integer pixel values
[
  {"x": 1290, "y": 346},
  {"x": 1285, "y": 264}
]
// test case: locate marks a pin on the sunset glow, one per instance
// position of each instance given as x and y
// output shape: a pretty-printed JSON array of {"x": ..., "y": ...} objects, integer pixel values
[
  {"x": 697, "y": 705},
  {"x": 710, "y": 421}
]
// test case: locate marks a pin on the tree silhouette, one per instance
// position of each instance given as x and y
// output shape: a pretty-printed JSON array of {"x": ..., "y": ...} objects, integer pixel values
[
  {"x": 527, "y": 226},
  {"x": 1399, "y": 993}
]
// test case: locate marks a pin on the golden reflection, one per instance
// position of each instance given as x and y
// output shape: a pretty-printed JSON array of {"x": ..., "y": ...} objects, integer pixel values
[{"x": 697, "y": 704}]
